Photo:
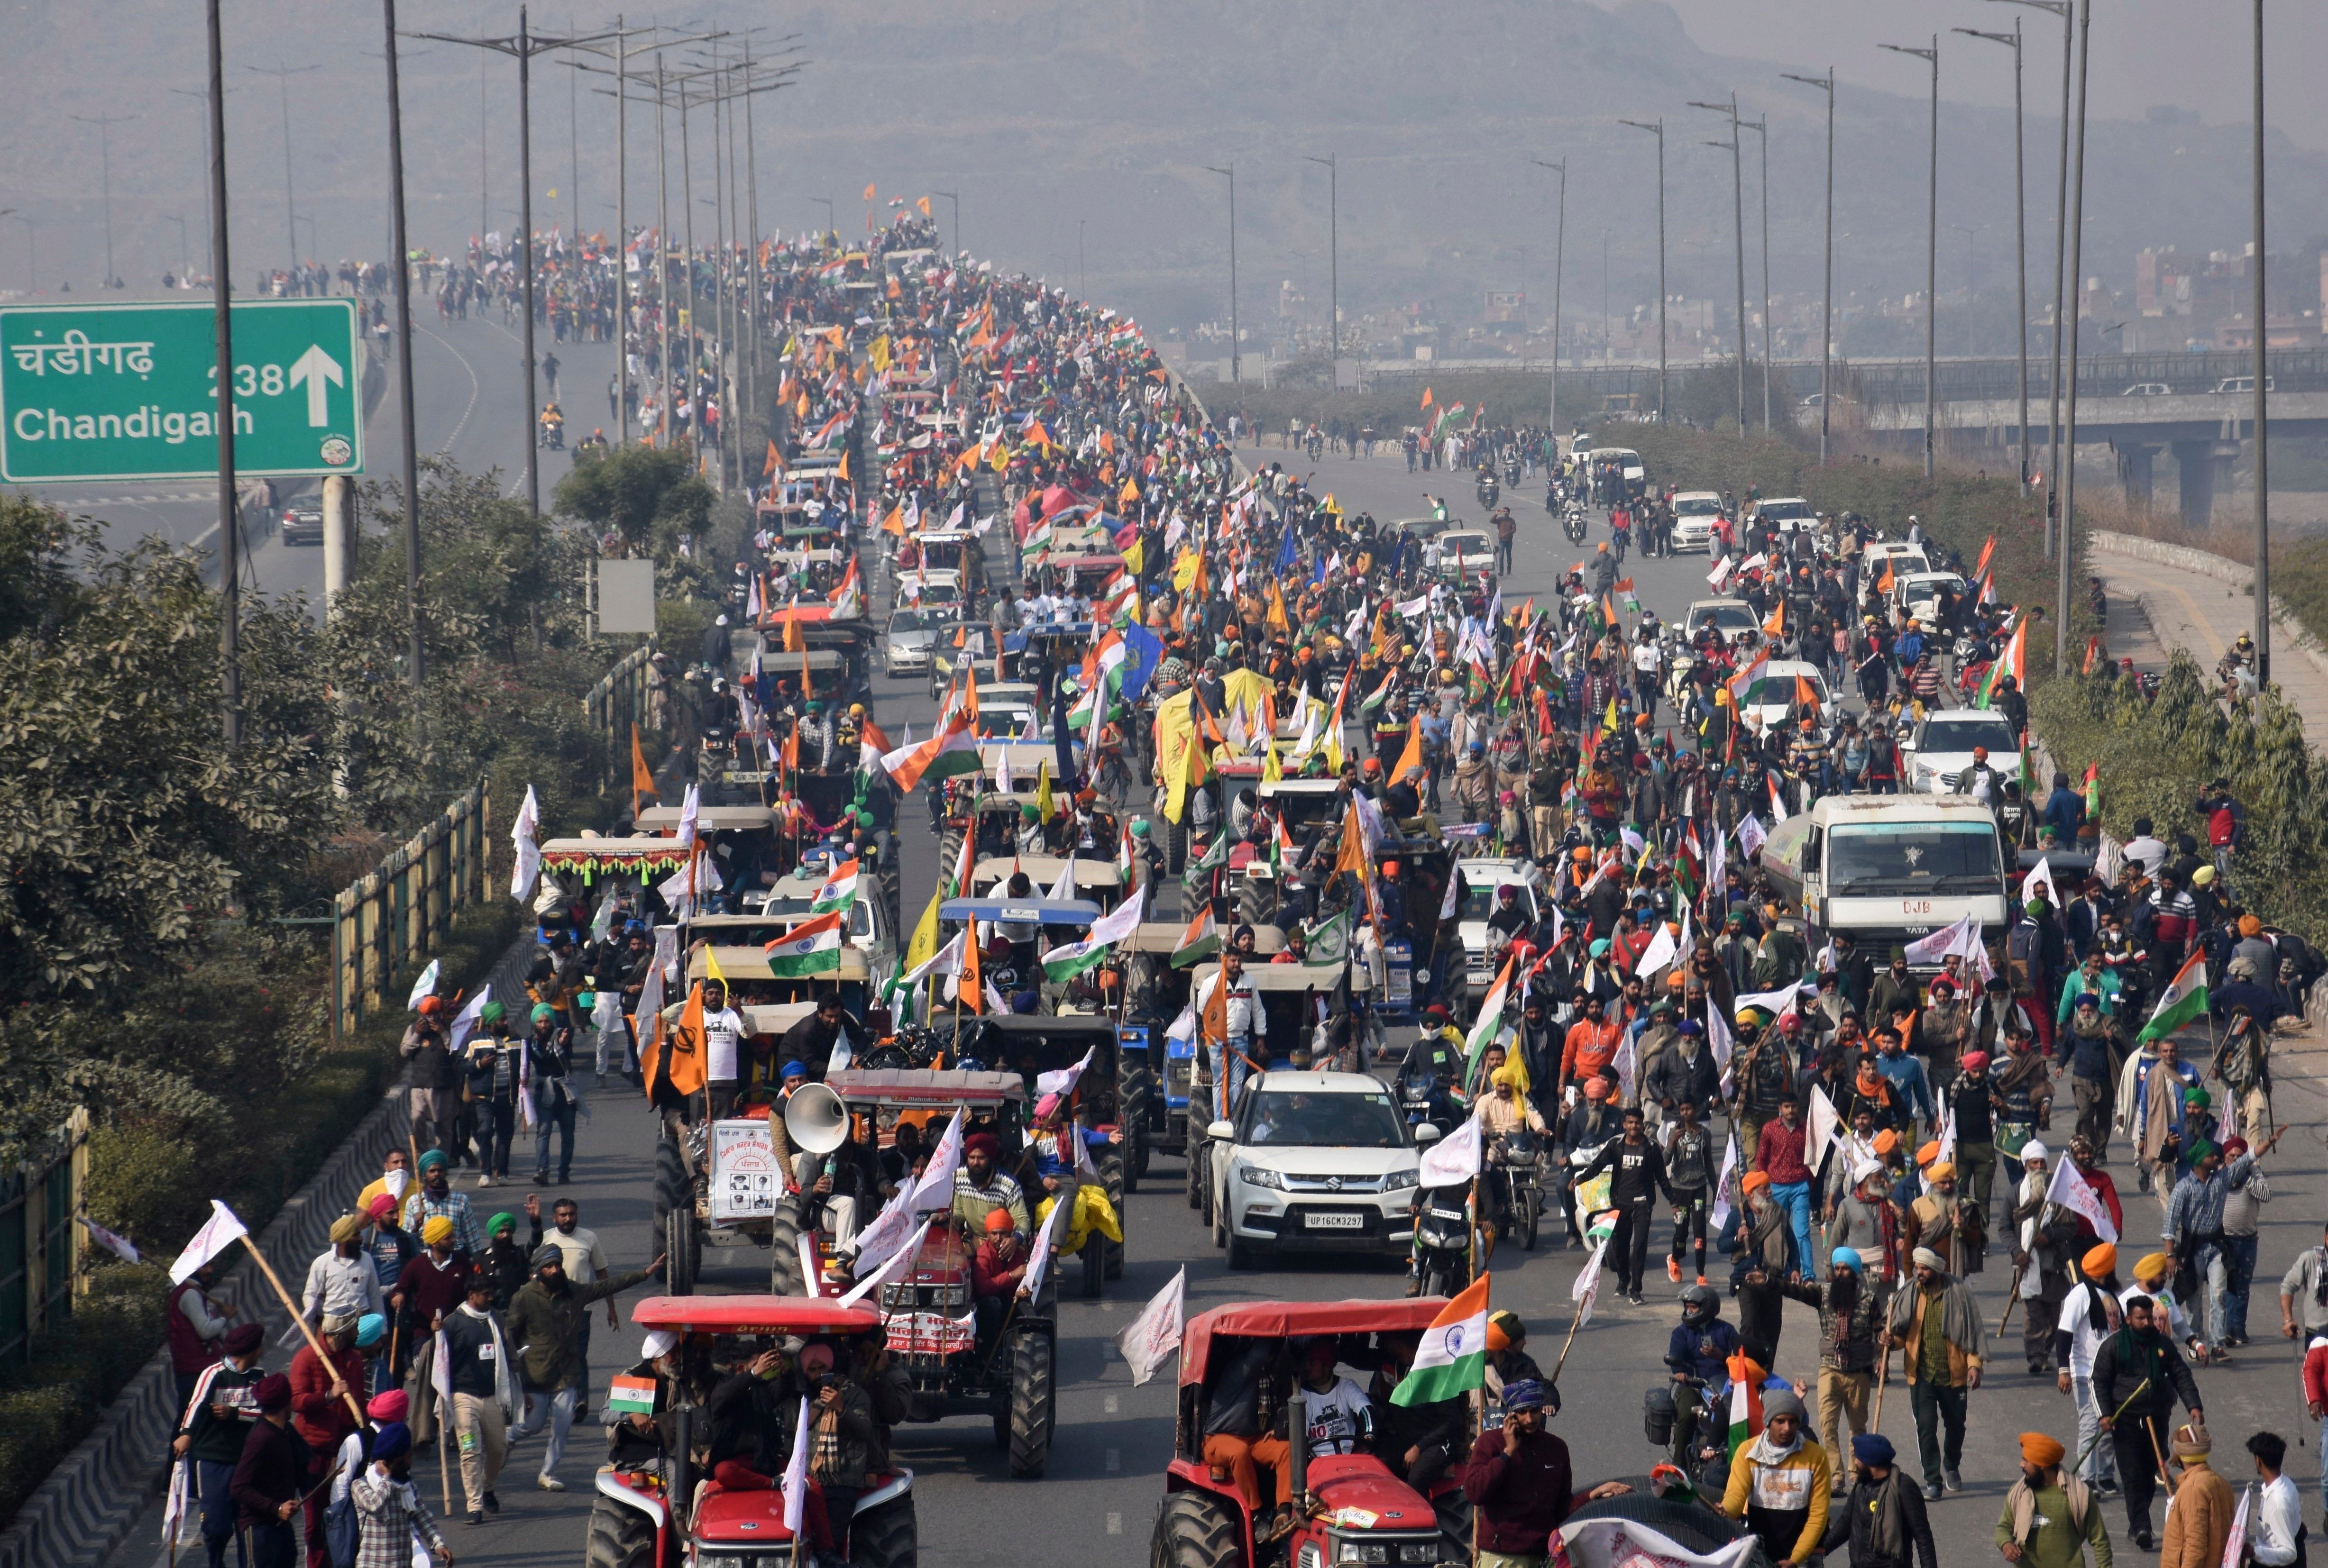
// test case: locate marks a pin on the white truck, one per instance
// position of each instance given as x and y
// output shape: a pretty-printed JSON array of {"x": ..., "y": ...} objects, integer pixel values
[{"x": 1887, "y": 869}]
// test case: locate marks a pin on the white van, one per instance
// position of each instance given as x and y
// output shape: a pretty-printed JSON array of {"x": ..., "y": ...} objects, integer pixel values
[{"x": 1887, "y": 869}]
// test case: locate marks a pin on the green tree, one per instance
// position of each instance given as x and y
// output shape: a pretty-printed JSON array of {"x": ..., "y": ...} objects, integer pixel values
[{"x": 650, "y": 496}]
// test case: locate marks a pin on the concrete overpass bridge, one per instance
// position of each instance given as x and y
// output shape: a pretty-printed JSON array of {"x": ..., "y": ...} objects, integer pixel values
[{"x": 2205, "y": 433}]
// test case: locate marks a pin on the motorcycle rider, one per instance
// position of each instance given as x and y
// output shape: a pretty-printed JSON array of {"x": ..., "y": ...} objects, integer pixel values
[
  {"x": 1505, "y": 1111},
  {"x": 1589, "y": 1125},
  {"x": 1701, "y": 1343}
]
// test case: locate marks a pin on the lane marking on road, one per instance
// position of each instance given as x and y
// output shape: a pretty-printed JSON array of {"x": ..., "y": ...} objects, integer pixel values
[
  {"x": 461, "y": 423},
  {"x": 1116, "y": 1523},
  {"x": 1115, "y": 1459},
  {"x": 1110, "y": 1404}
]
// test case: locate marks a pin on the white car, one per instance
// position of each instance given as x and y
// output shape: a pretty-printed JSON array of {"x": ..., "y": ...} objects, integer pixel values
[
  {"x": 1941, "y": 748},
  {"x": 1481, "y": 877},
  {"x": 1314, "y": 1162},
  {"x": 1735, "y": 619},
  {"x": 1771, "y": 695},
  {"x": 1918, "y": 595},
  {"x": 912, "y": 638},
  {"x": 1465, "y": 554},
  {"x": 1904, "y": 559},
  {"x": 1788, "y": 513},
  {"x": 1695, "y": 512}
]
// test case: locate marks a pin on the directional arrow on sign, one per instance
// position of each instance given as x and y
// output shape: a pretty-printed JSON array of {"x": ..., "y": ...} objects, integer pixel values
[{"x": 315, "y": 368}]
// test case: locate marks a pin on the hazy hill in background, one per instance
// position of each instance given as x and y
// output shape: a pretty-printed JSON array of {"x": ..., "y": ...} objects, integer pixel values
[{"x": 1043, "y": 115}]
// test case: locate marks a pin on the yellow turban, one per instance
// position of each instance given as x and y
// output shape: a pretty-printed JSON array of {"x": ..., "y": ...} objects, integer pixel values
[
  {"x": 2153, "y": 1267},
  {"x": 1506, "y": 1076},
  {"x": 439, "y": 1228},
  {"x": 1942, "y": 1171}
]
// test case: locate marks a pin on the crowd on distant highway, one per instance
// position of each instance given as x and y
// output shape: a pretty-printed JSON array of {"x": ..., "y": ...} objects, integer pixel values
[{"x": 1854, "y": 1126}]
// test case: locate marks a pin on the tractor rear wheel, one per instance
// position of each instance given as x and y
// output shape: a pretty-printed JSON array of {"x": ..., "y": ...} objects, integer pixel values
[
  {"x": 1135, "y": 1089},
  {"x": 885, "y": 1537},
  {"x": 620, "y": 1536},
  {"x": 1198, "y": 1530},
  {"x": 1116, "y": 1178},
  {"x": 1454, "y": 1510},
  {"x": 785, "y": 1275},
  {"x": 673, "y": 1189},
  {"x": 683, "y": 1250},
  {"x": 1031, "y": 1405}
]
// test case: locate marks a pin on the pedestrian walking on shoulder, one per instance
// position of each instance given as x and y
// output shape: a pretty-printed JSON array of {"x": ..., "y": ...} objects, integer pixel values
[{"x": 2049, "y": 1520}]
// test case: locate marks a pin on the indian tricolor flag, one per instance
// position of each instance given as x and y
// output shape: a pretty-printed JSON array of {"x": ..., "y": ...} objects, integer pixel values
[
  {"x": 631, "y": 1396},
  {"x": 2183, "y": 1001},
  {"x": 1061, "y": 965},
  {"x": 1452, "y": 1358},
  {"x": 1200, "y": 941},
  {"x": 1491, "y": 1019},
  {"x": 810, "y": 948},
  {"x": 839, "y": 889},
  {"x": 1745, "y": 1401},
  {"x": 2012, "y": 662},
  {"x": 949, "y": 753}
]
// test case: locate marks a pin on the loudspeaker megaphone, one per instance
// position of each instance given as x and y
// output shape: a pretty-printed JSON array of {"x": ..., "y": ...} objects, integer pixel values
[{"x": 816, "y": 1119}]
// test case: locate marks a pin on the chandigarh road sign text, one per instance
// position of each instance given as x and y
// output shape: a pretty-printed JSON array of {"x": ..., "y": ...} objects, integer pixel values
[{"x": 125, "y": 391}]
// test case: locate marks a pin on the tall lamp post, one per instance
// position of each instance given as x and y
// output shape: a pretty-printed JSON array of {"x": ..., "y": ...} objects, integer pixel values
[
  {"x": 283, "y": 75},
  {"x": 1738, "y": 214},
  {"x": 105, "y": 123},
  {"x": 1826, "y": 297},
  {"x": 1236, "y": 357},
  {"x": 2067, "y": 540},
  {"x": 956, "y": 201},
  {"x": 2262, "y": 414},
  {"x": 1657, "y": 128},
  {"x": 1761, "y": 129},
  {"x": 1972, "y": 276},
  {"x": 1559, "y": 260},
  {"x": 2060, "y": 9},
  {"x": 2020, "y": 232},
  {"x": 1333, "y": 268},
  {"x": 1932, "y": 254}
]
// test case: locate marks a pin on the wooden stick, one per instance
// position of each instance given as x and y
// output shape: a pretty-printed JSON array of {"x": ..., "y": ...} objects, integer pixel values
[
  {"x": 444, "y": 1441},
  {"x": 1574, "y": 1323},
  {"x": 1882, "y": 1378},
  {"x": 2012, "y": 1296},
  {"x": 313, "y": 1344},
  {"x": 2107, "y": 1427}
]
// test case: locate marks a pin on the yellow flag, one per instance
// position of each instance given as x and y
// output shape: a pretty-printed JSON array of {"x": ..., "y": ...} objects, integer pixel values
[
  {"x": 879, "y": 352},
  {"x": 1184, "y": 570},
  {"x": 1271, "y": 769},
  {"x": 1043, "y": 807},
  {"x": 1135, "y": 557},
  {"x": 1002, "y": 459},
  {"x": 924, "y": 944},
  {"x": 712, "y": 969}
]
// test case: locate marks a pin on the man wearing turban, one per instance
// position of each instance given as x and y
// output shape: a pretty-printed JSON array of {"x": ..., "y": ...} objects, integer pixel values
[
  {"x": 1936, "y": 1326},
  {"x": 2049, "y": 1518}
]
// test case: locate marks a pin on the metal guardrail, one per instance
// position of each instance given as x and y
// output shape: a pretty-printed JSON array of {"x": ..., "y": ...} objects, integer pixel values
[
  {"x": 41, "y": 1246},
  {"x": 403, "y": 909},
  {"x": 614, "y": 706}
]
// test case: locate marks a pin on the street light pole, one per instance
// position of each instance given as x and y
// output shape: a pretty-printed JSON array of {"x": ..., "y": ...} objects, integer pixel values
[
  {"x": 1559, "y": 261},
  {"x": 1333, "y": 269},
  {"x": 2020, "y": 232},
  {"x": 2068, "y": 538},
  {"x": 416, "y": 655},
  {"x": 2060, "y": 9},
  {"x": 1826, "y": 298},
  {"x": 1656, "y": 127},
  {"x": 1738, "y": 214},
  {"x": 956, "y": 201},
  {"x": 1761, "y": 129},
  {"x": 1236, "y": 357},
  {"x": 283, "y": 75},
  {"x": 1931, "y": 255},
  {"x": 2262, "y": 382},
  {"x": 105, "y": 123},
  {"x": 222, "y": 320},
  {"x": 1972, "y": 277}
]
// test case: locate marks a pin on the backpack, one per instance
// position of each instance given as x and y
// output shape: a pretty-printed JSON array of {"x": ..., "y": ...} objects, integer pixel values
[{"x": 2023, "y": 949}]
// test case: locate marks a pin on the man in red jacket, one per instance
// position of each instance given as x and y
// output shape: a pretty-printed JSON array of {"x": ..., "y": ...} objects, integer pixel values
[
  {"x": 322, "y": 1416},
  {"x": 1781, "y": 1155},
  {"x": 1519, "y": 1479}
]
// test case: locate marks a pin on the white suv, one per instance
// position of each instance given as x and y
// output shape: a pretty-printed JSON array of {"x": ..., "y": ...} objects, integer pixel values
[
  {"x": 1315, "y": 1162},
  {"x": 1694, "y": 515}
]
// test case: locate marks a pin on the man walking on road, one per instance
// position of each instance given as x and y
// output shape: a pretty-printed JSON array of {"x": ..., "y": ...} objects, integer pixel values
[
  {"x": 1882, "y": 1521},
  {"x": 1936, "y": 1327},
  {"x": 214, "y": 1425},
  {"x": 2050, "y": 1519},
  {"x": 547, "y": 1321},
  {"x": 2139, "y": 1374},
  {"x": 270, "y": 1476},
  {"x": 485, "y": 1394}
]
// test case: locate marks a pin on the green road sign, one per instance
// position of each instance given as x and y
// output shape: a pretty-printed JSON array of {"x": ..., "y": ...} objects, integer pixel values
[{"x": 125, "y": 392}]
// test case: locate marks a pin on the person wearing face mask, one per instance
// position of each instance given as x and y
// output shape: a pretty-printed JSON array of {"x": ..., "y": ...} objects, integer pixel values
[{"x": 1780, "y": 1484}]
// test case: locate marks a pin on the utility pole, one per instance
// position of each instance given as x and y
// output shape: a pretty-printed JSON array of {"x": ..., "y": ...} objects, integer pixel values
[
  {"x": 2262, "y": 382},
  {"x": 1657, "y": 128},
  {"x": 522, "y": 46},
  {"x": 1333, "y": 269},
  {"x": 2020, "y": 232},
  {"x": 1827, "y": 294},
  {"x": 1761, "y": 129},
  {"x": 2060, "y": 9},
  {"x": 283, "y": 75},
  {"x": 1931, "y": 255},
  {"x": 956, "y": 201},
  {"x": 1560, "y": 257},
  {"x": 1738, "y": 212},
  {"x": 2068, "y": 538},
  {"x": 105, "y": 123},
  {"x": 223, "y": 326},
  {"x": 416, "y": 657},
  {"x": 1236, "y": 355}
]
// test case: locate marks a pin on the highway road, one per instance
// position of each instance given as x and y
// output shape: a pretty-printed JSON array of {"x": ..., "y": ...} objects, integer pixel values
[{"x": 1096, "y": 1504}]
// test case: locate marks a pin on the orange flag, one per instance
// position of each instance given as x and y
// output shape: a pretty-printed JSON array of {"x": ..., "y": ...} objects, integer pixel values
[
  {"x": 808, "y": 686},
  {"x": 683, "y": 1064},
  {"x": 972, "y": 988},
  {"x": 1884, "y": 582},
  {"x": 775, "y": 464},
  {"x": 1777, "y": 625},
  {"x": 1195, "y": 760},
  {"x": 1412, "y": 756},
  {"x": 869, "y": 192},
  {"x": 793, "y": 641},
  {"x": 1804, "y": 696},
  {"x": 924, "y": 203},
  {"x": 844, "y": 462},
  {"x": 641, "y": 776}
]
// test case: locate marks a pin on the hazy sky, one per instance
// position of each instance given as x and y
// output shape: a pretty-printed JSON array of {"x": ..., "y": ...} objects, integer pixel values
[{"x": 2192, "y": 55}]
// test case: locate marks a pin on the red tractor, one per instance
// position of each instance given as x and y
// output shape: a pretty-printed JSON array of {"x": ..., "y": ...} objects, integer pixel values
[
  {"x": 1350, "y": 1508},
  {"x": 662, "y": 1513}
]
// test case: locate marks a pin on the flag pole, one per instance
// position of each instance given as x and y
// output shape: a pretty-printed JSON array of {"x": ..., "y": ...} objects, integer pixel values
[
  {"x": 1574, "y": 1323},
  {"x": 444, "y": 1441},
  {"x": 299, "y": 1319}
]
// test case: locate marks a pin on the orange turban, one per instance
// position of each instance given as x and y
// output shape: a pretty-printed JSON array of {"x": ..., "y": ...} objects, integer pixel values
[
  {"x": 2040, "y": 1450},
  {"x": 1755, "y": 1180}
]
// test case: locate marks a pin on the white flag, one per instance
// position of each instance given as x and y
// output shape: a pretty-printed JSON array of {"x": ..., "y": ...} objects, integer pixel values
[
  {"x": 2235, "y": 1544},
  {"x": 2039, "y": 880},
  {"x": 946, "y": 960},
  {"x": 118, "y": 1245},
  {"x": 1038, "y": 1261},
  {"x": 796, "y": 1473},
  {"x": 524, "y": 834},
  {"x": 174, "y": 1511},
  {"x": 843, "y": 1055},
  {"x": 425, "y": 986},
  {"x": 220, "y": 1231},
  {"x": 1626, "y": 1064},
  {"x": 1949, "y": 942},
  {"x": 1826, "y": 1121},
  {"x": 1719, "y": 1216},
  {"x": 2071, "y": 1190},
  {"x": 934, "y": 1191},
  {"x": 1062, "y": 1082},
  {"x": 1454, "y": 1159},
  {"x": 1774, "y": 1002},
  {"x": 1751, "y": 837},
  {"x": 1587, "y": 1288},
  {"x": 691, "y": 807},
  {"x": 441, "y": 1377},
  {"x": 1149, "y": 1339},
  {"x": 1064, "y": 889},
  {"x": 897, "y": 1264},
  {"x": 897, "y": 1225},
  {"x": 1659, "y": 952},
  {"x": 464, "y": 1023}
]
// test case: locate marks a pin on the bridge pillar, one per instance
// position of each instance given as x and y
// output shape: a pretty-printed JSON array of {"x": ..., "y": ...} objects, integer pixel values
[
  {"x": 2196, "y": 461},
  {"x": 2134, "y": 473}
]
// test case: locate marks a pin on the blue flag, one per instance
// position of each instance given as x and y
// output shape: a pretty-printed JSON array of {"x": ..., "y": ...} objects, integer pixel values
[
  {"x": 1144, "y": 651},
  {"x": 1286, "y": 552}
]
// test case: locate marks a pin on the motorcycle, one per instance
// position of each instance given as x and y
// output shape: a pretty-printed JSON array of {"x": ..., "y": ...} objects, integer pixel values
[
  {"x": 1512, "y": 470},
  {"x": 1513, "y": 1164},
  {"x": 1422, "y": 1101},
  {"x": 1443, "y": 1240},
  {"x": 1572, "y": 522},
  {"x": 1487, "y": 490},
  {"x": 1696, "y": 1446}
]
